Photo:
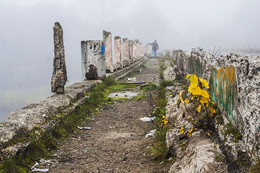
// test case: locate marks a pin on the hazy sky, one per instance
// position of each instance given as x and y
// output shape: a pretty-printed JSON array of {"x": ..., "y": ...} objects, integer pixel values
[{"x": 26, "y": 34}]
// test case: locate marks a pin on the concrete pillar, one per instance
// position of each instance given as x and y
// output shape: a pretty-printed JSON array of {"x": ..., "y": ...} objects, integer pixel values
[
  {"x": 148, "y": 50},
  {"x": 117, "y": 54},
  {"x": 107, "y": 38},
  {"x": 131, "y": 56},
  {"x": 59, "y": 75},
  {"x": 93, "y": 59},
  {"x": 125, "y": 52},
  {"x": 140, "y": 50},
  {"x": 135, "y": 50}
]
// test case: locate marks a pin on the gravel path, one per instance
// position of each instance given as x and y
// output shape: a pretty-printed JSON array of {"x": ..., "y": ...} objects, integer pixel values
[{"x": 116, "y": 141}]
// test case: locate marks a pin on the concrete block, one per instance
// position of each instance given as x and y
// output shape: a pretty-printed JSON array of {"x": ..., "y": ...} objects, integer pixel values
[
  {"x": 131, "y": 53},
  {"x": 126, "y": 56},
  {"x": 107, "y": 38},
  {"x": 93, "y": 59},
  {"x": 117, "y": 52}
]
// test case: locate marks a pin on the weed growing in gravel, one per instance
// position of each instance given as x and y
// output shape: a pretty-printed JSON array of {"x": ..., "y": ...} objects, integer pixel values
[
  {"x": 150, "y": 86},
  {"x": 159, "y": 148}
]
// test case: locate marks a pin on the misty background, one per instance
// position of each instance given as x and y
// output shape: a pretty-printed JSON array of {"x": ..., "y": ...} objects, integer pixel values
[{"x": 26, "y": 35}]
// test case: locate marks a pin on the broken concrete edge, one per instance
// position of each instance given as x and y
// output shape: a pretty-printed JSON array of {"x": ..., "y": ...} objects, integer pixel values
[{"x": 37, "y": 118}]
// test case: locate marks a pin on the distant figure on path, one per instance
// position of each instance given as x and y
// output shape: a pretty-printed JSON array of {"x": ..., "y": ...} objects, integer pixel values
[{"x": 155, "y": 47}]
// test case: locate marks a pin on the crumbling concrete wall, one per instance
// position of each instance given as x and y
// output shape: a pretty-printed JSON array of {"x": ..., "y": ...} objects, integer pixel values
[
  {"x": 59, "y": 75},
  {"x": 91, "y": 54},
  {"x": 117, "y": 54},
  {"x": 126, "y": 58},
  {"x": 235, "y": 86},
  {"x": 107, "y": 38}
]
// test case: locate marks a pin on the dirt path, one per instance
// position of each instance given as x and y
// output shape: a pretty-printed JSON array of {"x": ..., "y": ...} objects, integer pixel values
[{"x": 116, "y": 141}]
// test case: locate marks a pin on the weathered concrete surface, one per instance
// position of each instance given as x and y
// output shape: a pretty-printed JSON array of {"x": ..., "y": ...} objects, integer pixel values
[
  {"x": 125, "y": 52},
  {"x": 91, "y": 55},
  {"x": 45, "y": 115},
  {"x": 59, "y": 75},
  {"x": 117, "y": 53},
  {"x": 107, "y": 38},
  {"x": 235, "y": 83},
  {"x": 171, "y": 71}
]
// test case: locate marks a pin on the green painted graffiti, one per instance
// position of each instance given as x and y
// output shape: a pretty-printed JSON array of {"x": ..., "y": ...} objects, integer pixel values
[{"x": 223, "y": 88}]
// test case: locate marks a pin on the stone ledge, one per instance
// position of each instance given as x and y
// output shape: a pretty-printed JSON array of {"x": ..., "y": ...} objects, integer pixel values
[{"x": 37, "y": 115}]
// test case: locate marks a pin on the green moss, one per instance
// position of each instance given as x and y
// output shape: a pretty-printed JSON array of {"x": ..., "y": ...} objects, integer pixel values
[
  {"x": 139, "y": 98},
  {"x": 11, "y": 166},
  {"x": 165, "y": 83},
  {"x": 119, "y": 87},
  {"x": 183, "y": 143},
  {"x": 219, "y": 157},
  {"x": 150, "y": 86},
  {"x": 229, "y": 129},
  {"x": 219, "y": 119},
  {"x": 180, "y": 79},
  {"x": 255, "y": 168}
]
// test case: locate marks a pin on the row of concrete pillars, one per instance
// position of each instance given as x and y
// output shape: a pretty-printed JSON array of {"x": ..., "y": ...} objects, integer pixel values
[{"x": 98, "y": 57}]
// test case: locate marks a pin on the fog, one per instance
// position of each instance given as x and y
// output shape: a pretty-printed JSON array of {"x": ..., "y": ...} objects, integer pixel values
[{"x": 26, "y": 34}]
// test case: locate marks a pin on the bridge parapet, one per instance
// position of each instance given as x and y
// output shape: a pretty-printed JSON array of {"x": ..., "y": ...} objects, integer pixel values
[{"x": 234, "y": 84}]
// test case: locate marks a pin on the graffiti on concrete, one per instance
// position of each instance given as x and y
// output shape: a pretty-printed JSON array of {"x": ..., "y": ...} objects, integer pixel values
[
  {"x": 107, "y": 38},
  {"x": 117, "y": 53},
  {"x": 223, "y": 87},
  {"x": 59, "y": 75},
  {"x": 93, "y": 59}
]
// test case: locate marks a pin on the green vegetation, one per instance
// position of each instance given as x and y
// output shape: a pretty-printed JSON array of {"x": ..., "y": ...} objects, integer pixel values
[
  {"x": 219, "y": 157},
  {"x": 229, "y": 129},
  {"x": 165, "y": 83},
  {"x": 255, "y": 168},
  {"x": 162, "y": 68},
  {"x": 139, "y": 98},
  {"x": 150, "y": 86},
  {"x": 159, "y": 148}
]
